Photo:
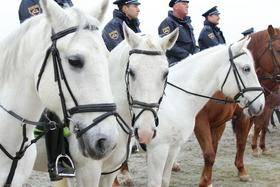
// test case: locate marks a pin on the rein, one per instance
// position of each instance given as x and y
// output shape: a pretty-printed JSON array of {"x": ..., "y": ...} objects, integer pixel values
[{"x": 238, "y": 80}]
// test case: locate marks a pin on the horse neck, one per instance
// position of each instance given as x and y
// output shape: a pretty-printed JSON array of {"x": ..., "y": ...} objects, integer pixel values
[
  {"x": 24, "y": 48},
  {"x": 198, "y": 74},
  {"x": 19, "y": 62}
]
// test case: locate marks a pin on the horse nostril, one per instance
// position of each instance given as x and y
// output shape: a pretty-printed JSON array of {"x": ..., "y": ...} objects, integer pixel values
[
  {"x": 155, "y": 133},
  {"x": 100, "y": 145},
  {"x": 136, "y": 133},
  {"x": 254, "y": 111},
  {"x": 261, "y": 109}
]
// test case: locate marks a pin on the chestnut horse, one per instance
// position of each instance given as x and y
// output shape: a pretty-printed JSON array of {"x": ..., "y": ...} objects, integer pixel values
[{"x": 211, "y": 120}]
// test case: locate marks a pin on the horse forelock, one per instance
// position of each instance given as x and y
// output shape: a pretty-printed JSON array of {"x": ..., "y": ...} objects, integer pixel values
[{"x": 151, "y": 42}]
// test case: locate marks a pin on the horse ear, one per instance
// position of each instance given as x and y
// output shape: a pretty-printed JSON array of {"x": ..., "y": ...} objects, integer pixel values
[
  {"x": 131, "y": 37},
  {"x": 99, "y": 11},
  {"x": 239, "y": 45},
  {"x": 247, "y": 41},
  {"x": 169, "y": 40},
  {"x": 55, "y": 14},
  {"x": 270, "y": 30}
]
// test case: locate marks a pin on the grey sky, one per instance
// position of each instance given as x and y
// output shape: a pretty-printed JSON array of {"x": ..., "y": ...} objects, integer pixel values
[{"x": 236, "y": 15}]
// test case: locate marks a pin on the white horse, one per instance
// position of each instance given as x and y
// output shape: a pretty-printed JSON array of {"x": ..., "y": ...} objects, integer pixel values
[
  {"x": 204, "y": 73},
  {"x": 73, "y": 76},
  {"x": 140, "y": 63},
  {"x": 138, "y": 72}
]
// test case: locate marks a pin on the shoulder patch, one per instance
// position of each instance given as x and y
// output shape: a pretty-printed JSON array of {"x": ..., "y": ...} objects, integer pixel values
[
  {"x": 166, "y": 30},
  {"x": 34, "y": 10},
  {"x": 114, "y": 35},
  {"x": 211, "y": 35}
]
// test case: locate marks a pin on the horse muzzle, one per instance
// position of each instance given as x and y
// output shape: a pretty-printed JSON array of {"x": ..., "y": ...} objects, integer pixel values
[
  {"x": 144, "y": 136},
  {"x": 255, "y": 110},
  {"x": 97, "y": 147}
]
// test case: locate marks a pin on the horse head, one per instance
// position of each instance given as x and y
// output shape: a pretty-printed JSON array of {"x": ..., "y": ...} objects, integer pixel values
[
  {"x": 265, "y": 47},
  {"x": 145, "y": 78},
  {"x": 241, "y": 71},
  {"x": 74, "y": 82}
]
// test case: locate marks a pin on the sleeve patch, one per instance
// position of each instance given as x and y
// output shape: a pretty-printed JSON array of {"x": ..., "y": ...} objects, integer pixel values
[
  {"x": 114, "y": 35},
  {"x": 34, "y": 9},
  {"x": 211, "y": 36},
  {"x": 166, "y": 30}
]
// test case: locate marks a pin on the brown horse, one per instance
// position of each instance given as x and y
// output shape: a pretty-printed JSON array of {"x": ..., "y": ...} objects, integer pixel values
[{"x": 210, "y": 121}]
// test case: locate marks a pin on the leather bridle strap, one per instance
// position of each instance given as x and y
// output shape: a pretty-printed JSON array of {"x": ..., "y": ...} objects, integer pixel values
[
  {"x": 241, "y": 86},
  {"x": 238, "y": 81},
  {"x": 140, "y": 104},
  {"x": 275, "y": 76}
]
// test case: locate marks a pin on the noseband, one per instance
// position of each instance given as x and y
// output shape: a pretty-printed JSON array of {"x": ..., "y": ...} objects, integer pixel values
[{"x": 152, "y": 107}]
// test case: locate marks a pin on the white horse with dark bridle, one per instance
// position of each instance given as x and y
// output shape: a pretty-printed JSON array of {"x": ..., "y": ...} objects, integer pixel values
[
  {"x": 138, "y": 70},
  {"x": 226, "y": 68},
  {"x": 58, "y": 61}
]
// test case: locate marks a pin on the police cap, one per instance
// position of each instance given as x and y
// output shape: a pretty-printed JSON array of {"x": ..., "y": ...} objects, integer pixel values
[
  {"x": 173, "y": 2},
  {"x": 126, "y": 2},
  {"x": 211, "y": 11},
  {"x": 248, "y": 31}
]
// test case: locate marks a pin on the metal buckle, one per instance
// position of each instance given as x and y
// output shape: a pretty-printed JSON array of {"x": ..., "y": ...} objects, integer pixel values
[{"x": 52, "y": 125}]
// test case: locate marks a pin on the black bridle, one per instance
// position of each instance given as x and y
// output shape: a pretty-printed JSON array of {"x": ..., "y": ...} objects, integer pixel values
[
  {"x": 241, "y": 86},
  {"x": 275, "y": 76},
  {"x": 108, "y": 109},
  {"x": 152, "y": 107}
]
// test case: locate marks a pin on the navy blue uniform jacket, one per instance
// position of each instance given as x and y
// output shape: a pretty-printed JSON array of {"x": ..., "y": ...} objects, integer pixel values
[
  {"x": 210, "y": 36},
  {"x": 112, "y": 33},
  {"x": 30, "y": 8},
  {"x": 185, "y": 44}
]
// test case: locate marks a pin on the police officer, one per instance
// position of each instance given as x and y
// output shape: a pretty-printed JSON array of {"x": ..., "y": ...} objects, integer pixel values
[
  {"x": 248, "y": 31},
  {"x": 54, "y": 138},
  {"x": 210, "y": 34},
  {"x": 128, "y": 12},
  {"x": 185, "y": 44},
  {"x": 30, "y": 8}
]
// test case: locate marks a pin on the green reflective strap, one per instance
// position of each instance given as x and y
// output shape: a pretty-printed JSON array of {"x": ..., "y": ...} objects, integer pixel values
[
  {"x": 66, "y": 131},
  {"x": 37, "y": 131}
]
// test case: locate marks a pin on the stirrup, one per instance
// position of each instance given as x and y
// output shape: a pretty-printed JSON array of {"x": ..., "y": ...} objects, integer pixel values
[{"x": 71, "y": 166}]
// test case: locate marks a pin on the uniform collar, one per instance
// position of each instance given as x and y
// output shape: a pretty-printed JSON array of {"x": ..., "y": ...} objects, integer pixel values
[
  {"x": 206, "y": 22},
  {"x": 119, "y": 14}
]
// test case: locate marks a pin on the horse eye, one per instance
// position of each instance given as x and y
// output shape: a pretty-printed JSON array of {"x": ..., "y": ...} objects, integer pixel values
[
  {"x": 246, "y": 69},
  {"x": 131, "y": 73},
  {"x": 165, "y": 74},
  {"x": 76, "y": 61}
]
